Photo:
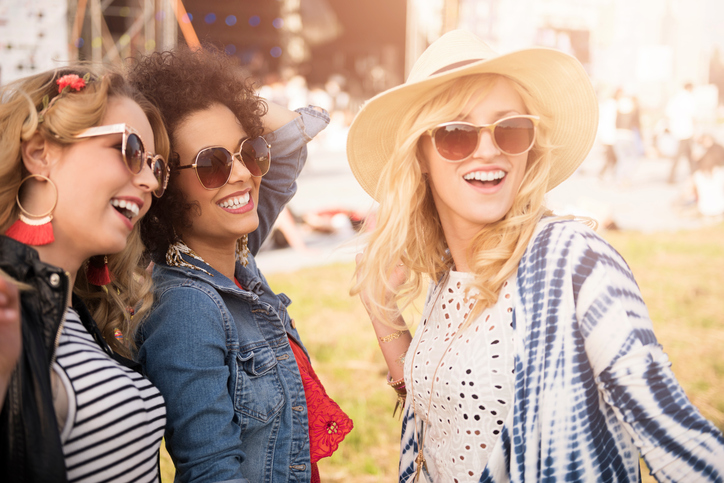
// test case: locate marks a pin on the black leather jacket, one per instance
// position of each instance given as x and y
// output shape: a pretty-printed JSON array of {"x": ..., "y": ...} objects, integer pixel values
[{"x": 30, "y": 448}]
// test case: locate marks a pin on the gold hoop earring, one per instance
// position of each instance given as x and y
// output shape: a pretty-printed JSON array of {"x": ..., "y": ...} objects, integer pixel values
[{"x": 33, "y": 229}]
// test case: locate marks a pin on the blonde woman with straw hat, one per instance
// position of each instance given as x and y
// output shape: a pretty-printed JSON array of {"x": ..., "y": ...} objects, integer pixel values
[{"x": 535, "y": 357}]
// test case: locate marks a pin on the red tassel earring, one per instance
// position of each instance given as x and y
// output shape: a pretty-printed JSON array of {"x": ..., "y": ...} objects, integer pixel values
[
  {"x": 33, "y": 229},
  {"x": 97, "y": 271}
]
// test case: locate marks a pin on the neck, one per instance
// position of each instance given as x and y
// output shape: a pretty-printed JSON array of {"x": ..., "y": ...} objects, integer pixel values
[
  {"x": 217, "y": 254},
  {"x": 458, "y": 241}
]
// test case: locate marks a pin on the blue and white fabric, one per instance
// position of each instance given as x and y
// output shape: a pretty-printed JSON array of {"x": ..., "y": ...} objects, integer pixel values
[{"x": 593, "y": 388}]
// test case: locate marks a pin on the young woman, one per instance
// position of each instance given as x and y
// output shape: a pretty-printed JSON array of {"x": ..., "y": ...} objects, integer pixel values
[
  {"x": 77, "y": 172},
  {"x": 243, "y": 401},
  {"x": 535, "y": 359}
]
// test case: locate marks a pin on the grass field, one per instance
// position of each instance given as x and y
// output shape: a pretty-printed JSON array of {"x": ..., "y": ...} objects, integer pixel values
[{"x": 681, "y": 276}]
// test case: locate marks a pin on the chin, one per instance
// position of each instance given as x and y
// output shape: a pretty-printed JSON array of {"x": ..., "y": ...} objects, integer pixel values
[{"x": 115, "y": 247}]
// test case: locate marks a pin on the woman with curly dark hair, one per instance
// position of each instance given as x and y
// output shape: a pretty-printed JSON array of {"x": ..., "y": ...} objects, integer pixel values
[{"x": 243, "y": 401}]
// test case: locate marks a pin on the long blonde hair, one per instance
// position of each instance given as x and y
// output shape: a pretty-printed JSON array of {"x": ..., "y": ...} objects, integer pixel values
[
  {"x": 72, "y": 112},
  {"x": 407, "y": 226}
]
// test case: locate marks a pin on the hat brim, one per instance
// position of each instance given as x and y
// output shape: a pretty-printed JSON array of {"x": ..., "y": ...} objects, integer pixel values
[{"x": 555, "y": 78}]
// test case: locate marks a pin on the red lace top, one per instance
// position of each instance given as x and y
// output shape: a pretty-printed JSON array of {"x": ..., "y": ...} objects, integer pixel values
[{"x": 328, "y": 424}]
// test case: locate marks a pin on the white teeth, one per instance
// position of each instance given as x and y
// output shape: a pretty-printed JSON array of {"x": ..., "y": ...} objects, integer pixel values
[
  {"x": 234, "y": 203},
  {"x": 128, "y": 205},
  {"x": 485, "y": 175}
]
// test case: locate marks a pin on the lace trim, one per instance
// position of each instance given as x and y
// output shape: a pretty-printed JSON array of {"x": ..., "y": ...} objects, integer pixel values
[{"x": 328, "y": 424}]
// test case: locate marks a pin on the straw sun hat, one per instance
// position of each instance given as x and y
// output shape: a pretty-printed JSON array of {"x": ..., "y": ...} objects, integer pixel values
[{"x": 557, "y": 80}]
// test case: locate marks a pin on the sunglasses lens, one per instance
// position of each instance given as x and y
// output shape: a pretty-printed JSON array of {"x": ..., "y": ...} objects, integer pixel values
[
  {"x": 213, "y": 166},
  {"x": 456, "y": 141},
  {"x": 134, "y": 153},
  {"x": 158, "y": 166},
  {"x": 515, "y": 136},
  {"x": 256, "y": 156}
]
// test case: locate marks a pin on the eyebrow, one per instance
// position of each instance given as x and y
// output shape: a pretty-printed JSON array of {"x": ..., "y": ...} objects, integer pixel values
[{"x": 497, "y": 115}]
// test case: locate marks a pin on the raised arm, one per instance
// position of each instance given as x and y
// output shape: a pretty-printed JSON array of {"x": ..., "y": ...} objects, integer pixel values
[{"x": 288, "y": 133}]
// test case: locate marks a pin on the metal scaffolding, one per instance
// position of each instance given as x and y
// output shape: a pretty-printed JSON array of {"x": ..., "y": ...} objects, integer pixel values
[{"x": 147, "y": 25}]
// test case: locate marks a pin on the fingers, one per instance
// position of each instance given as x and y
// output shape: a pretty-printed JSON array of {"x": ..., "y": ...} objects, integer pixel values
[
  {"x": 10, "y": 337},
  {"x": 9, "y": 302}
]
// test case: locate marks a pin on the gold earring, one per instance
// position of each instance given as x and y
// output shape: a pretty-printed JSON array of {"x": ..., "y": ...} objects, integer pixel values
[
  {"x": 242, "y": 250},
  {"x": 33, "y": 229}
]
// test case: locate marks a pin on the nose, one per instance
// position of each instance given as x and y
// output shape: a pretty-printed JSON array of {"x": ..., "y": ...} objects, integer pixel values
[
  {"x": 486, "y": 148},
  {"x": 239, "y": 171},
  {"x": 145, "y": 179}
]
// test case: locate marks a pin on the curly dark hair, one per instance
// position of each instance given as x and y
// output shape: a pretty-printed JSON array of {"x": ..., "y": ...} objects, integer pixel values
[{"x": 180, "y": 83}]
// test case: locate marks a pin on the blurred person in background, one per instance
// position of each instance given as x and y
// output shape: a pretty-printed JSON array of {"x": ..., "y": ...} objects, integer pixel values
[
  {"x": 607, "y": 132},
  {"x": 80, "y": 157},
  {"x": 680, "y": 112},
  {"x": 708, "y": 179},
  {"x": 244, "y": 403},
  {"x": 628, "y": 145},
  {"x": 535, "y": 358}
]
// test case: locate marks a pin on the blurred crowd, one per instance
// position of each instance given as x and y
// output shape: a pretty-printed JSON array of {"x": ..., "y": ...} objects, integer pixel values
[
  {"x": 679, "y": 135},
  {"x": 676, "y": 135}
]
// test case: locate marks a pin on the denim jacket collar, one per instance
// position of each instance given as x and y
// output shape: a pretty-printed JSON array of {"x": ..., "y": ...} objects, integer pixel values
[{"x": 246, "y": 275}]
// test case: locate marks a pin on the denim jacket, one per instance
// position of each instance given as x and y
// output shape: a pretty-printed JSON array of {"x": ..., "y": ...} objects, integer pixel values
[{"x": 236, "y": 409}]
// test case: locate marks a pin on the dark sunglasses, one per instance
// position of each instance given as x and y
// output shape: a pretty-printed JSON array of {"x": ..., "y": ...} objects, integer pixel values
[
  {"x": 213, "y": 164},
  {"x": 134, "y": 153},
  {"x": 456, "y": 141}
]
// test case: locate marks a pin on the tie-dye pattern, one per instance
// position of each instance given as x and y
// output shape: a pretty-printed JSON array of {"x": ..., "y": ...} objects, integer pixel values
[{"x": 593, "y": 388}]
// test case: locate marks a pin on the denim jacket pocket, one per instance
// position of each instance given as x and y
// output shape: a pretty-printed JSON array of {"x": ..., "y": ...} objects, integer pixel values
[{"x": 259, "y": 392}]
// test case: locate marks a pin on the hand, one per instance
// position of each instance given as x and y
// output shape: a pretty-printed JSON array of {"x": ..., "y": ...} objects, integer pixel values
[
  {"x": 397, "y": 277},
  {"x": 10, "y": 335}
]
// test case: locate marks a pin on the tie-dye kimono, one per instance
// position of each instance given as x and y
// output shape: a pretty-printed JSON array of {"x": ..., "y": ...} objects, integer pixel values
[{"x": 593, "y": 388}]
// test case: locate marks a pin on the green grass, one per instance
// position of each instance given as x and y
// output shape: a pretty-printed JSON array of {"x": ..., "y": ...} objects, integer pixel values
[{"x": 681, "y": 276}]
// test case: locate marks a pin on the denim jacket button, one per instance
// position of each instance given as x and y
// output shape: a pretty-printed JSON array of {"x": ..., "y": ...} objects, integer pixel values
[
  {"x": 293, "y": 324},
  {"x": 298, "y": 408},
  {"x": 298, "y": 467}
]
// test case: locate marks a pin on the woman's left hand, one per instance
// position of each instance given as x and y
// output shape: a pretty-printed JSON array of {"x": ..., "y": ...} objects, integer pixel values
[{"x": 10, "y": 334}]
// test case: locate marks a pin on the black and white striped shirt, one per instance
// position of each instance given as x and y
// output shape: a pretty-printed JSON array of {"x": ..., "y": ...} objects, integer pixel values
[{"x": 116, "y": 417}]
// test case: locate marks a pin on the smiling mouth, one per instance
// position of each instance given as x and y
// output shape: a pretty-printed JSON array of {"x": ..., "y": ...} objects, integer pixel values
[
  {"x": 485, "y": 179},
  {"x": 127, "y": 208},
  {"x": 236, "y": 202}
]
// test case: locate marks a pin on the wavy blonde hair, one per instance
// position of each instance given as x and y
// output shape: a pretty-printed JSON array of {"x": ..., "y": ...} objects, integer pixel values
[
  {"x": 68, "y": 115},
  {"x": 408, "y": 229}
]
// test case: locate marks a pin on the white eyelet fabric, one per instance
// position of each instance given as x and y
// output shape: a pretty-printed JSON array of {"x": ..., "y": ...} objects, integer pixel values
[{"x": 473, "y": 388}]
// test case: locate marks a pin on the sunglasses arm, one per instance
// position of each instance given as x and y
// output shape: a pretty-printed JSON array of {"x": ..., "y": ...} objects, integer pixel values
[{"x": 102, "y": 130}]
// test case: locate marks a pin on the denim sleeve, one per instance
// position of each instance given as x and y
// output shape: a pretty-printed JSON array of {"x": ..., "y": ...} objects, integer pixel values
[
  {"x": 185, "y": 358},
  {"x": 288, "y": 153}
]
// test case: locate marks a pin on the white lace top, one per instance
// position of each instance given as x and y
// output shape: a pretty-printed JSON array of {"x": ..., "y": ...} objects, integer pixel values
[{"x": 473, "y": 388}]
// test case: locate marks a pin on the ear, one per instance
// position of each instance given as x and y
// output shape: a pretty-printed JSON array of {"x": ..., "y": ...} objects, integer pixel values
[{"x": 38, "y": 154}]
